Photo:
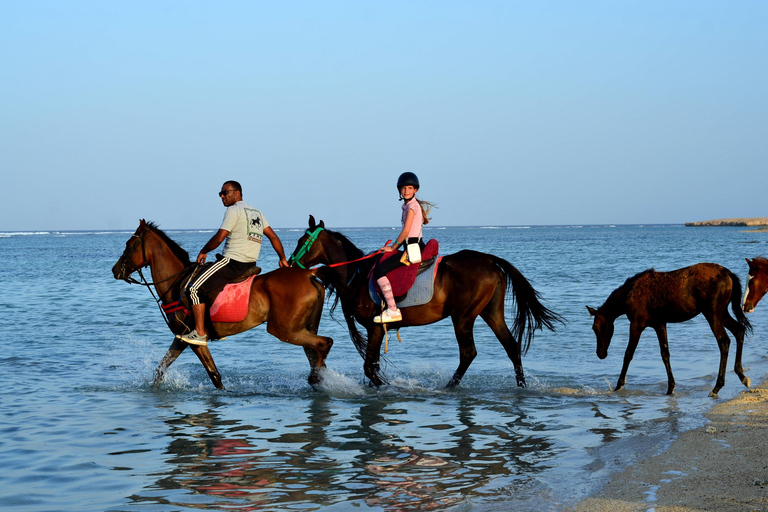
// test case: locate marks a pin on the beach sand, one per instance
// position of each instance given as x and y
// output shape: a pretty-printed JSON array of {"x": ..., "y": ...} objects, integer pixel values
[{"x": 722, "y": 466}]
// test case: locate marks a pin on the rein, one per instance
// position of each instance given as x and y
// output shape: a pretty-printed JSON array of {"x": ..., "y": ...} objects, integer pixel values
[
  {"x": 167, "y": 308},
  {"x": 312, "y": 238}
]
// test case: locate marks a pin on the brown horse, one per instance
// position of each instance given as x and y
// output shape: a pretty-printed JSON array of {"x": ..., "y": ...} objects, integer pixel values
[
  {"x": 289, "y": 300},
  {"x": 468, "y": 284},
  {"x": 653, "y": 299},
  {"x": 757, "y": 283}
]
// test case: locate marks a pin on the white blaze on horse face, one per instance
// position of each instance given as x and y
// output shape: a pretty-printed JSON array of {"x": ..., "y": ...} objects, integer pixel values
[{"x": 746, "y": 292}]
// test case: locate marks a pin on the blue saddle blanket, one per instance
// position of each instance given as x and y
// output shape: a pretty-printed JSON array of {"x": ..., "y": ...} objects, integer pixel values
[{"x": 420, "y": 293}]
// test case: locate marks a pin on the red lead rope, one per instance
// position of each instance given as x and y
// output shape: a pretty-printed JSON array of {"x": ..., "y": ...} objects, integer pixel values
[{"x": 360, "y": 259}]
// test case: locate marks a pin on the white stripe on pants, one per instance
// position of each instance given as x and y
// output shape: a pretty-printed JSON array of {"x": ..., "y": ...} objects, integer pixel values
[{"x": 204, "y": 277}]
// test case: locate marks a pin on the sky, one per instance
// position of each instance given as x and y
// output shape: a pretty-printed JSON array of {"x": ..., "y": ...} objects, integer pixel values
[{"x": 510, "y": 113}]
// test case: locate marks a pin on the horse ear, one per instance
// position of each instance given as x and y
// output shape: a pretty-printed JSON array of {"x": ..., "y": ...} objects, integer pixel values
[
  {"x": 142, "y": 223},
  {"x": 311, "y": 222},
  {"x": 592, "y": 312},
  {"x": 322, "y": 224}
]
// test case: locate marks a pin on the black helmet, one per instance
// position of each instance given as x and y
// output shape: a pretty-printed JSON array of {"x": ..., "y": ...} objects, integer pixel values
[{"x": 408, "y": 178}]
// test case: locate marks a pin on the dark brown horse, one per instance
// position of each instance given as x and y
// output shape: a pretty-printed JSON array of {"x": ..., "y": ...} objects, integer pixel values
[
  {"x": 289, "y": 300},
  {"x": 654, "y": 299},
  {"x": 468, "y": 284},
  {"x": 757, "y": 283}
]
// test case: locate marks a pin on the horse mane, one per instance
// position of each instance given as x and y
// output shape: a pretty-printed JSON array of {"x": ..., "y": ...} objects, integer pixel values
[
  {"x": 619, "y": 295},
  {"x": 175, "y": 248},
  {"x": 350, "y": 249}
]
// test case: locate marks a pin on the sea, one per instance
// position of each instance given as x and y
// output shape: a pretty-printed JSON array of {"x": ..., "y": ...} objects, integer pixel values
[{"x": 83, "y": 429}]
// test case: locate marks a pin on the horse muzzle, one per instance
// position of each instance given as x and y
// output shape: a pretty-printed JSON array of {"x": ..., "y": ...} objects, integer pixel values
[{"x": 118, "y": 271}]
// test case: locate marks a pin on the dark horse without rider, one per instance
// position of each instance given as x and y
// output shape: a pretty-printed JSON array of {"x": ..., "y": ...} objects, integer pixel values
[
  {"x": 653, "y": 299},
  {"x": 289, "y": 300},
  {"x": 467, "y": 284},
  {"x": 757, "y": 283}
]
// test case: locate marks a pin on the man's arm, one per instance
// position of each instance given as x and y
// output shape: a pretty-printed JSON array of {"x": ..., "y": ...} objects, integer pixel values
[
  {"x": 213, "y": 243},
  {"x": 276, "y": 244}
]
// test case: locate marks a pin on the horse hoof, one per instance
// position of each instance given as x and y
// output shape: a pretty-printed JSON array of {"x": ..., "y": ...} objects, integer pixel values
[
  {"x": 315, "y": 380},
  {"x": 746, "y": 381},
  {"x": 712, "y": 394}
]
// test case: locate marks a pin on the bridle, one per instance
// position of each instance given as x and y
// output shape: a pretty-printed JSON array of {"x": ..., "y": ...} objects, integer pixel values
[
  {"x": 144, "y": 263},
  {"x": 304, "y": 249}
]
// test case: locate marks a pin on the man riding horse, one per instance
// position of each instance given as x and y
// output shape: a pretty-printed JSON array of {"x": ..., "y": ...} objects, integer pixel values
[{"x": 243, "y": 228}]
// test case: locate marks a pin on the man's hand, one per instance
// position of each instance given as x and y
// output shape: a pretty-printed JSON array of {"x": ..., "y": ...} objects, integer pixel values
[{"x": 201, "y": 258}]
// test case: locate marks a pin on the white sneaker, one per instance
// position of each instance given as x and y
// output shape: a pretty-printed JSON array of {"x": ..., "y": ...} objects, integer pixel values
[
  {"x": 388, "y": 316},
  {"x": 195, "y": 339}
]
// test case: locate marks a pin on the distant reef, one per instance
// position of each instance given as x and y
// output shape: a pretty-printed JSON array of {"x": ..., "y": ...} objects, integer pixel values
[{"x": 755, "y": 222}]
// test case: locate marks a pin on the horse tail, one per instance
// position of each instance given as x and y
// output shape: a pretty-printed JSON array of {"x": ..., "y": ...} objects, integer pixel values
[
  {"x": 741, "y": 318},
  {"x": 531, "y": 314},
  {"x": 332, "y": 281}
]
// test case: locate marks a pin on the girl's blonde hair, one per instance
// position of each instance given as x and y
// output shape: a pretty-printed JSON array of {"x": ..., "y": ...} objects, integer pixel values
[{"x": 426, "y": 207}]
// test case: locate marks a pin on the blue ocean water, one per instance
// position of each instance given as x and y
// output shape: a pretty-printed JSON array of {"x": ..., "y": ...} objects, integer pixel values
[{"x": 83, "y": 429}]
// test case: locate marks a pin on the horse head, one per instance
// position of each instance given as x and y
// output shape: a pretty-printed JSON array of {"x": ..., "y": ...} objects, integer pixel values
[
  {"x": 307, "y": 252},
  {"x": 757, "y": 283},
  {"x": 134, "y": 256},
  {"x": 603, "y": 328}
]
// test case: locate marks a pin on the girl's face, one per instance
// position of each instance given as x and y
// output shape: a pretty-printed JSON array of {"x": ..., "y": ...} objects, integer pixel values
[{"x": 408, "y": 192}]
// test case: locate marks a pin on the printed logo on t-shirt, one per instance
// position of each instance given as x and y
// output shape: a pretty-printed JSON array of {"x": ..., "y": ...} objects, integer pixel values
[{"x": 255, "y": 225}]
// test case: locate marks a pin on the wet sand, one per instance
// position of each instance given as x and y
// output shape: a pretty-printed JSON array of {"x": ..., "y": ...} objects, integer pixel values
[{"x": 722, "y": 466}]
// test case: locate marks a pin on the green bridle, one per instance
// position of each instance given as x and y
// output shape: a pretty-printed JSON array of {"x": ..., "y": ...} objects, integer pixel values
[{"x": 304, "y": 249}]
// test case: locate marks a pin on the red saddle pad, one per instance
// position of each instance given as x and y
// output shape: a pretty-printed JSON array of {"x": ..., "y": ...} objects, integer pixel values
[{"x": 231, "y": 305}]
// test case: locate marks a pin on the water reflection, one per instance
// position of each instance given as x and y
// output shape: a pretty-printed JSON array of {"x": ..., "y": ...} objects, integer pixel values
[{"x": 386, "y": 454}]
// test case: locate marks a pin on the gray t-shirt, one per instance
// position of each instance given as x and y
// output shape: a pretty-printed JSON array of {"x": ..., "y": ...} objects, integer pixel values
[{"x": 246, "y": 227}]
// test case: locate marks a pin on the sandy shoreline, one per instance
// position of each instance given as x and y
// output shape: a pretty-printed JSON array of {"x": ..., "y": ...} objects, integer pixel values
[
  {"x": 739, "y": 222},
  {"x": 722, "y": 466}
]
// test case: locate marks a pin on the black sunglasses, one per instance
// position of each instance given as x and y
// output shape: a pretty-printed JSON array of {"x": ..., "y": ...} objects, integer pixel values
[{"x": 225, "y": 192}]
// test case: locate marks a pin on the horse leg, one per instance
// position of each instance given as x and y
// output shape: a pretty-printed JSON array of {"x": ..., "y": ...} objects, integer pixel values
[
  {"x": 463, "y": 327},
  {"x": 372, "y": 356},
  {"x": 661, "y": 333},
  {"x": 498, "y": 325},
  {"x": 315, "y": 347},
  {"x": 634, "y": 337},
  {"x": 738, "y": 333},
  {"x": 175, "y": 350},
  {"x": 317, "y": 352},
  {"x": 723, "y": 343},
  {"x": 202, "y": 353}
]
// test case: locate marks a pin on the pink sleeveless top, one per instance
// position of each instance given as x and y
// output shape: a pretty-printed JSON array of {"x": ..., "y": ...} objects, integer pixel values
[{"x": 418, "y": 218}]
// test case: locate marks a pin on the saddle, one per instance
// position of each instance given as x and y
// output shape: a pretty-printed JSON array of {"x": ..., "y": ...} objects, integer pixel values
[
  {"x": 228, "y": 303},
  {"x": 403, "y": 278}
]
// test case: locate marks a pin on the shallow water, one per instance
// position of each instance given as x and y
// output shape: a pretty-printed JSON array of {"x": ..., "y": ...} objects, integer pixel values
[{"x": 83, "y": 429}]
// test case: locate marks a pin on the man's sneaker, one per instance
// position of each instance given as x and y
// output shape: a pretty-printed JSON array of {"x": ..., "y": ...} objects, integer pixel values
[
  {"x": 195, "y": 339},
  {"x": 388, "y": 316}
]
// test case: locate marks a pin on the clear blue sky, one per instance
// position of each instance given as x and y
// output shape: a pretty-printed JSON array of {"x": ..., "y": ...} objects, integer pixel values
[{"x": 545, "y": 112}]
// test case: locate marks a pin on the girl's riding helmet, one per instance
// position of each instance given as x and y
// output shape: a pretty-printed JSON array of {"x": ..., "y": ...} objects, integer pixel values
[{"x": 408, "y": 178}]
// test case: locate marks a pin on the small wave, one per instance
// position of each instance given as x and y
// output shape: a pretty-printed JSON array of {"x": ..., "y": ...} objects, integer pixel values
[
  {"x": 24, "y": 233},
  {"x": 504, "y": 227}
]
